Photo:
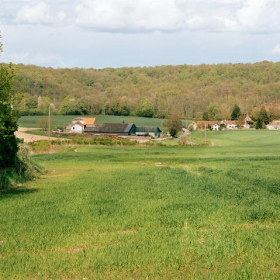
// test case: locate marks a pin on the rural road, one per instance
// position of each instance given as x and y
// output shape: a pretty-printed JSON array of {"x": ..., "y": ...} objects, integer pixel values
[{"x": 31, "y": 138}]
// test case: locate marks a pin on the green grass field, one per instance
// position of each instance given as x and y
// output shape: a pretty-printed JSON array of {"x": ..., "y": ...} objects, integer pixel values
[
  {"x": 63, "y": 121},
  {"x": 209, "y": 212}
]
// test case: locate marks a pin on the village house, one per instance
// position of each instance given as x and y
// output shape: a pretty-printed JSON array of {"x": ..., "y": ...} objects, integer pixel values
[
  {"x": 193, "y": 125},
  {"x": 231, "y": 125},
  {"x": 208, "y": 124},
  {"x": 216, "y": 126},
  {"x": 274, "y": 125},
  {"x": 248, "y": 122},
  {"x": 224, "y": 124}
]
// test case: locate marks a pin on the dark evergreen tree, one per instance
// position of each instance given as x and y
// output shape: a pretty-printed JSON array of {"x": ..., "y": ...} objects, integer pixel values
[
  {"x": 205, "y": 116},
  {"x": 236, "y": 113},
  {"x": 259, "y": 124},
  {"x": 263, "y": 116}
]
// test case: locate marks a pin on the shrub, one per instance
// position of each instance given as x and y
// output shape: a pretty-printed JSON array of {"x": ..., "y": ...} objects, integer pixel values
[
  {"x": 40, "y": 146},
  {"x": 183, "y": 140},
  {"x": 24, "y": 169},
  {"x": 4, "y": 180}
]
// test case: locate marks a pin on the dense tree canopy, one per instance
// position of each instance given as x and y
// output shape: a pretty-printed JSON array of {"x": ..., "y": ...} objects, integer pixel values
[
  {"x": 8, "y": 120},
  {"x": 188, "y": 91},
  {"x": 15, "y": 164}
]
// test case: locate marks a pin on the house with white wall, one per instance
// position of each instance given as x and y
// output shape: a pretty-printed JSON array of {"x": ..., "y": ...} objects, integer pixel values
[
  {"x": 77, "y": 128},
  {"x": 231, "y": 125},
  {"x": 78, "y": 125}
]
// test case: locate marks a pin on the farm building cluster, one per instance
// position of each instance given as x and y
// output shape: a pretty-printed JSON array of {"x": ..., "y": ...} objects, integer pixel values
[
  {"x": 231, "y": 125},
  {"x": 89, "y": 125},
  {"x": 220, "y": 125}
]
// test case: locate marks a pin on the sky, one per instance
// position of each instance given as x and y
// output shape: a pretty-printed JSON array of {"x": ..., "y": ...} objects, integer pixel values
[{"x": 126, "y": 33}]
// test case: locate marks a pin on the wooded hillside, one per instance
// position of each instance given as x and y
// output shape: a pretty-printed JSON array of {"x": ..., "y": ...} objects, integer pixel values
[{"x": 185, "y": 90}]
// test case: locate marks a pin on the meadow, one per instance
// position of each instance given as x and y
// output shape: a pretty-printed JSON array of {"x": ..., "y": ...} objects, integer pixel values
[
  {"x": 62, "y": 121},
  {"x": 174, "y": 212}
]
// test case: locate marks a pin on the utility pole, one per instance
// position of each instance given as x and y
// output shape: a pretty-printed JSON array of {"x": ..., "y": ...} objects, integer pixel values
[
  {"x": 50, "y": 122},
  {"x": 205, "y": 138}
]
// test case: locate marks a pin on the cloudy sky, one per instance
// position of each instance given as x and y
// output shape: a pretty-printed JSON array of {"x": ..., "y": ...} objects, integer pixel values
[{"x": 117, "y": 33}]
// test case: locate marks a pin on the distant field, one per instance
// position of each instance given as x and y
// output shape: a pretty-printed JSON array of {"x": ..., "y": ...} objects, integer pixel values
[
  {"x": 209, "y": 212},
  {"x": 63, "y": 121}
]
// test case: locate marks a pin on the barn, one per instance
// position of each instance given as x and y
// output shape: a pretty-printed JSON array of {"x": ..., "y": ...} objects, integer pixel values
[
  {"x": 148, "y": 130},
  {"x": 121, "y": 129}
]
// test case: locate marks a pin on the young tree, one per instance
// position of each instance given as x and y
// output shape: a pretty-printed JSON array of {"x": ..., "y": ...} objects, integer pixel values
[
  {"x": 241, "y": 121},
  {"x": 173, "y": 124},
  {"x": 43, "y": 123}
]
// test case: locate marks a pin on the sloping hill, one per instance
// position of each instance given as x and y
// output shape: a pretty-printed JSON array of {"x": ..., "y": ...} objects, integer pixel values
[{"x": 150, "y": 91}]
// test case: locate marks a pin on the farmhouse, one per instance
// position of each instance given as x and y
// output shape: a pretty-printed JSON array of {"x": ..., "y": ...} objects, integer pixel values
[
  {"x": 148, "y": 130},
  {"x": 78, "y": 125}
]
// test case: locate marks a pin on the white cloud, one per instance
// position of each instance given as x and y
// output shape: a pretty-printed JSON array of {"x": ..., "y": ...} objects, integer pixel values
[
  {"x": 276, "y": 49},
  {"x": 157, "y": 15},
  {"x": 39, "y": 13},
  {"x": 134, "y": 16},
  {"x": 121, "y": 15},
  {"x": 255, "y": 16},
  {"x": 260, "y": 16},
  {"x": 61, "y": 15}
]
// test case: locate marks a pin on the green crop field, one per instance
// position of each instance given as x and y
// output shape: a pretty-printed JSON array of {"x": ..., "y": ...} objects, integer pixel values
[
  {"x": 63, "y": 121},
  {"x": 179, "y": 212}
]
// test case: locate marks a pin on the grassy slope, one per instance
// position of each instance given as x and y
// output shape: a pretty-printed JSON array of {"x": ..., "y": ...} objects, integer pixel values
[
  {"x": 63, "y": 121},
  {"x": 166, "y": 212}
]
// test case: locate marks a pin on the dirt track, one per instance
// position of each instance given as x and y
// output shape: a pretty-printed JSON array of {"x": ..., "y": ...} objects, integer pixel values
[{"x": 31, "y": 138}]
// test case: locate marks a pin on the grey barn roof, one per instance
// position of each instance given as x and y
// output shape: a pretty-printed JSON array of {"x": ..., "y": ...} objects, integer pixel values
[
  {"x": 91, "y": 129},
  {"x": 115, "y": 127},
  {"x": 147, "y": 129}
]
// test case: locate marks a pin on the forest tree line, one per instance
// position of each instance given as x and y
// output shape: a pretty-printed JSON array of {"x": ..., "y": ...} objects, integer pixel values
[{"x": 187, "y": 91}]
